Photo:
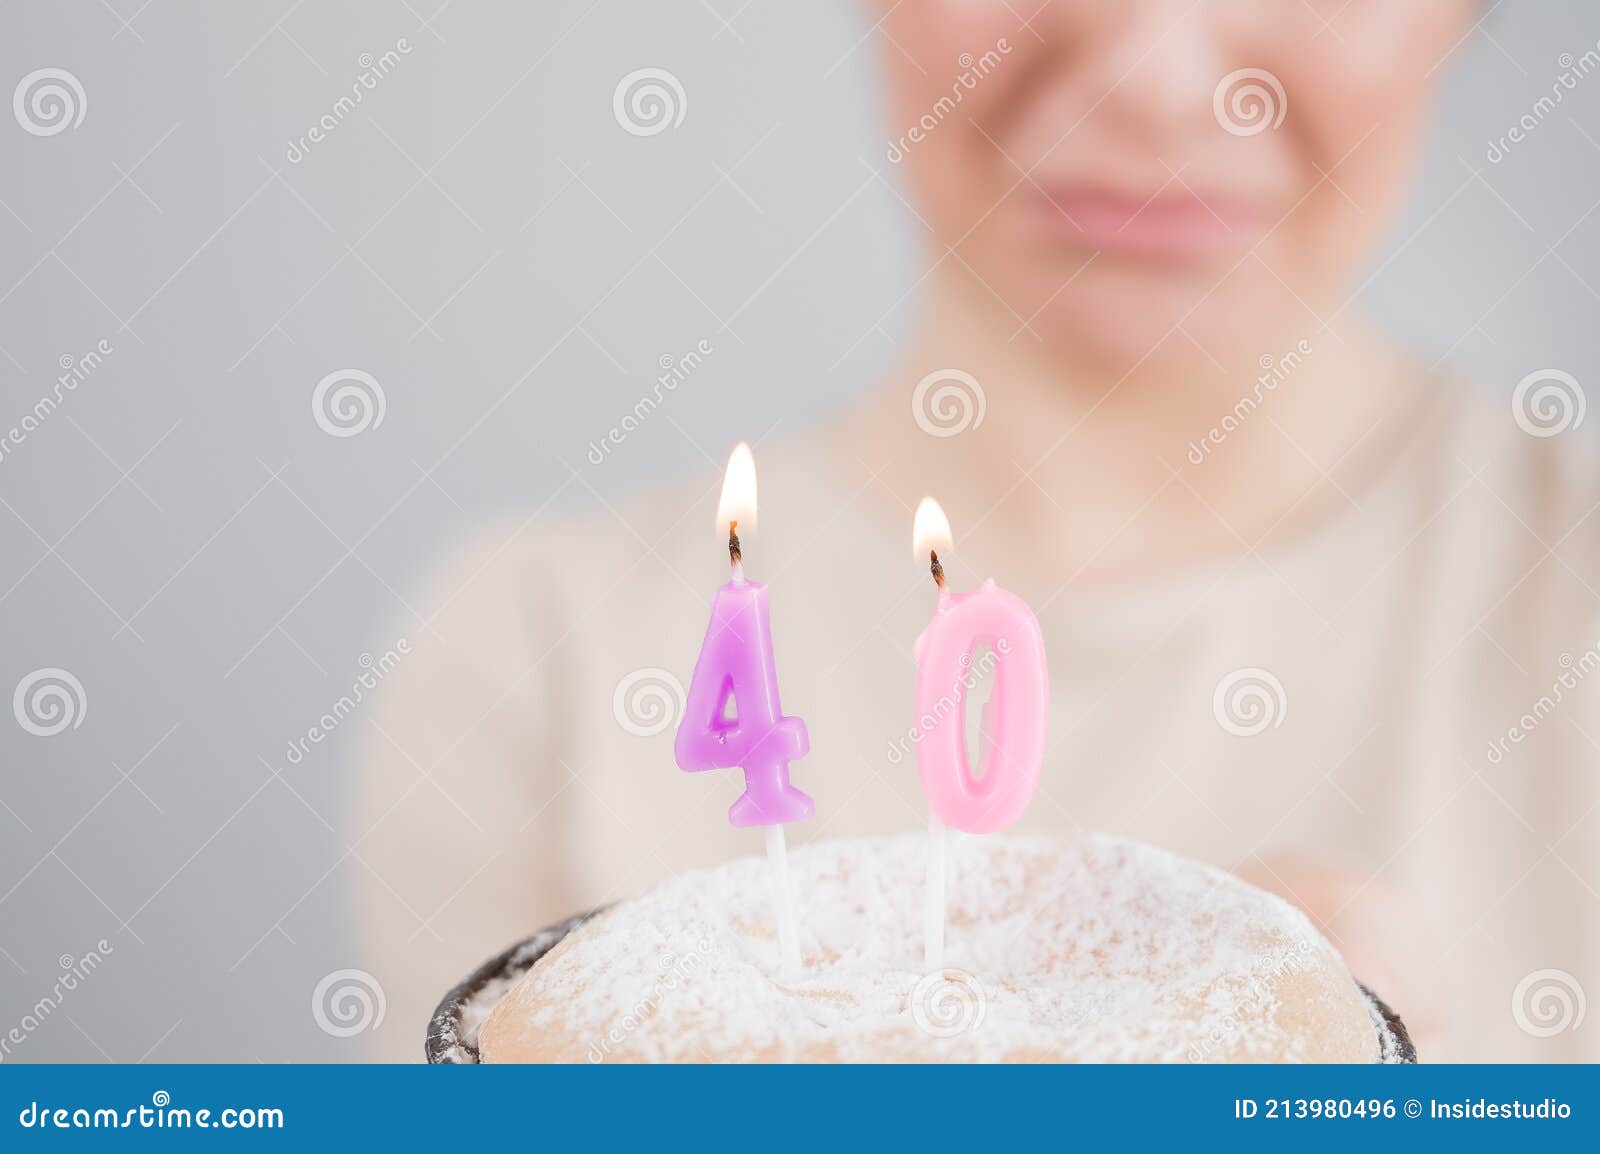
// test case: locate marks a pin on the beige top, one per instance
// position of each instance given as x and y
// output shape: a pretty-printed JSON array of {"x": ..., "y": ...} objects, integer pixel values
[
  {"x": 1091, "y": 950},
  {"x": 1424, "y": 743}
]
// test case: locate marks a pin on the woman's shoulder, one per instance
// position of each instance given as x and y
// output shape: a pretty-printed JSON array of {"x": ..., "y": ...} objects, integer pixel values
[
  {"x": 1525, "y": 445},
  {"x": 1493, "y": 514}
]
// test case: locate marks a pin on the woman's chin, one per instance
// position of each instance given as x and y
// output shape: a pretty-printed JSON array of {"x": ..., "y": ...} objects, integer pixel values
[{"x": 1117, "y": 323}]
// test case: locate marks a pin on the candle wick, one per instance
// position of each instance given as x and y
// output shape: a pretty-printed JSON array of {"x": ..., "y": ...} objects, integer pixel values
[
  {"x": 936, "y": 569},
  {"x": 735, "y": 553}
]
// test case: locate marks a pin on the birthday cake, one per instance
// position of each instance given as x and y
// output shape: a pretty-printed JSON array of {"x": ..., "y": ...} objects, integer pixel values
[{"x": 1098, "y": 950}]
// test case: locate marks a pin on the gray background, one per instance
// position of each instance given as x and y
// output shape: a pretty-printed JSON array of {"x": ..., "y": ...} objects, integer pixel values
[{"x": 482, "y": 237}]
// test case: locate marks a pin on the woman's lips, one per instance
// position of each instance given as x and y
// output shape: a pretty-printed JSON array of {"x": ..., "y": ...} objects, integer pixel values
[{"x": 1169, "y": 225}]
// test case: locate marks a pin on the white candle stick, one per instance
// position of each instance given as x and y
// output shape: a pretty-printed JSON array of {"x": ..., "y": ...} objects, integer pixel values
[
  {"x": 933, "y": 919},
  {"x": 783, "y": 902},
  {"x": 932, "y": 533}
]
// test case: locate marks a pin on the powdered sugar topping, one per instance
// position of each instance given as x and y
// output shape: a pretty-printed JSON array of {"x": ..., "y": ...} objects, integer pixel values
[{"x": 1100, "y": 950}]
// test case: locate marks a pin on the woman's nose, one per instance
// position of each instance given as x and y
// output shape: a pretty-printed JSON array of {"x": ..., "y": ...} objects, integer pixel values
[{"x": 1154, "y": 64}]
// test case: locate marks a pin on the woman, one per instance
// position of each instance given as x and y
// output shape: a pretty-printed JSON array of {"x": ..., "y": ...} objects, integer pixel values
[{"x": 1302, "y": 596}]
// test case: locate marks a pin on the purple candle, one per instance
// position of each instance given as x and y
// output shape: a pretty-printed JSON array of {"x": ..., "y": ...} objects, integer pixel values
[
  {"x": 732, "y": 715},
  {"x": 736, "y": 666}
]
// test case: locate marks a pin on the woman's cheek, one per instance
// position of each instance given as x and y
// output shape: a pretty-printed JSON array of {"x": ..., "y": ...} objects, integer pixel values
[
  {"x": 944, "y": 132},
  {"x": 1375, "y": 78},
  {"x": 1357, "y": 139}
]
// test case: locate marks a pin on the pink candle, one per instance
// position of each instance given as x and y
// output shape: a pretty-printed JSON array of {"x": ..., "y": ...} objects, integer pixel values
[
  {"x": 1018, "y": 705},
  {"x": 1014, "y": 719}
]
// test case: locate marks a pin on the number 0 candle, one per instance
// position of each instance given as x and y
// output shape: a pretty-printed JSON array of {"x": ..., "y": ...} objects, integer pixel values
[
  {"x": 736, "y": 671},
  {"x": 1013, "y": 737}
]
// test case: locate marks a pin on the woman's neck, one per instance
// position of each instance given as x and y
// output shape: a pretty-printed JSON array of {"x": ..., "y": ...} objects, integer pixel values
[{"x": 1112, "y": 476}]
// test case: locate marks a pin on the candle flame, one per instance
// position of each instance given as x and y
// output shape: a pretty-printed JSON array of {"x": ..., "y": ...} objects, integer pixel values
[
  {"x": 931, "y": 530},
  {"x": 738, "y": 503}
]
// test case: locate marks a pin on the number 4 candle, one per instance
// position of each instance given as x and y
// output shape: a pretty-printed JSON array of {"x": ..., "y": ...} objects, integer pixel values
[
  {"x": 1013, "y": 740},
  {"x": 736, "y": 671}
]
